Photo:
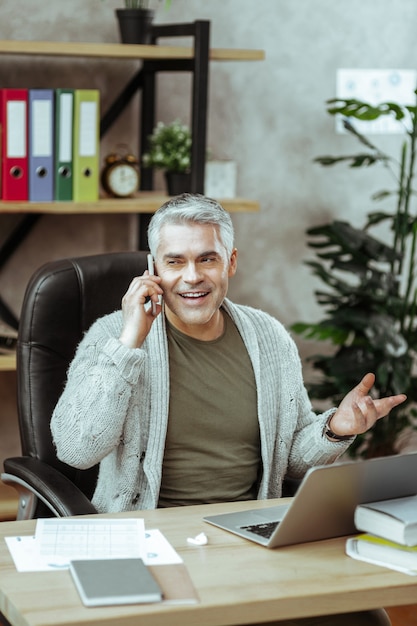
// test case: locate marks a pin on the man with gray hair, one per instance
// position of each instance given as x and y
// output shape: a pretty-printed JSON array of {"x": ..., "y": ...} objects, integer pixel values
[{"x": 184, "y": 397}]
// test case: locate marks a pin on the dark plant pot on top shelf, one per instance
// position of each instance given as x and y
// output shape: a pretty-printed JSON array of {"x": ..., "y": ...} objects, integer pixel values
[
  {"x": 177, "y": 182},
  {"x": 135, "y": 25}
]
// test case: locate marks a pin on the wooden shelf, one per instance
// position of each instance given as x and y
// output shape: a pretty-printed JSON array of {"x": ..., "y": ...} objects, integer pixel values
[
  {"x": 144, "y": 202},
  {"x": 121, "y": 51},
  {"x": 7, "y": 362}
]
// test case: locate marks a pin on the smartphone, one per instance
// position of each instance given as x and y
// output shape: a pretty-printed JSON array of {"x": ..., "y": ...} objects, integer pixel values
[{"x": 151, "y": 270}]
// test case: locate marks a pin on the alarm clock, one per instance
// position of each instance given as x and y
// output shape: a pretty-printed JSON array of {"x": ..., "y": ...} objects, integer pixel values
[{"x": 120, "y": 175}]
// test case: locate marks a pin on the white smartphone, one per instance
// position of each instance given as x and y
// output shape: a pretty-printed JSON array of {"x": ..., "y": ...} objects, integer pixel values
[{"x": 151, "y": 270}]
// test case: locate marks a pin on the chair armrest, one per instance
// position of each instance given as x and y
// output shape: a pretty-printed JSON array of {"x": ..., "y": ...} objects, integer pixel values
[{"x": 34, "y": 479}]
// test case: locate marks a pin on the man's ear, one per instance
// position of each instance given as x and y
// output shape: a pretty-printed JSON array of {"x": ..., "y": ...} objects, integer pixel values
[{"x": 233, "y": 263}]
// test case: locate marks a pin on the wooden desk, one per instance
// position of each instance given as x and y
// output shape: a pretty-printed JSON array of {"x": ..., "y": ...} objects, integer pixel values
[{"x": 238, "y": 581}]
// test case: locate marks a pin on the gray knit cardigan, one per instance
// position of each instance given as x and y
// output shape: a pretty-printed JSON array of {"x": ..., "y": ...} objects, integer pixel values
[{"x": 114, "y": 410}]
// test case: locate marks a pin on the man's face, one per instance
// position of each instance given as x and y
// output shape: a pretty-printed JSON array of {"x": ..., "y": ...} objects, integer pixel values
[{"x": 195, "y": 269}]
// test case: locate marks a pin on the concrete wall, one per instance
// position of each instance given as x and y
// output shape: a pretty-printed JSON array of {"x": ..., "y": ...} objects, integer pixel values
[{"x": 268, "y": 116}]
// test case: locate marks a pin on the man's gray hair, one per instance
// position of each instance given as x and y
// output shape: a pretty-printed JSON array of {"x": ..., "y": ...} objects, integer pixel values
[{"x": 191, "y": 208}]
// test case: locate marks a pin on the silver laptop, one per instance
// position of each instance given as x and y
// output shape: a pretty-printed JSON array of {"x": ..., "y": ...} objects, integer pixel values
[{"x": 325, "y": 501}]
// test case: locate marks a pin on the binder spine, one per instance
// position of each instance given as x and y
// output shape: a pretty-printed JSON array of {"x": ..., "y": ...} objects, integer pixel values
[
  {"x": 14, "y": 104},
  {"x": 41, "y": 155},
  {"x": 86, "y": 145},
  {"x": 64, "y": 120}
]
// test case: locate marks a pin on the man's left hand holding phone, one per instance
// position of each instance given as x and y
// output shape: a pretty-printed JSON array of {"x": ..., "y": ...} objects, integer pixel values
[{"x": 138, "y": 316}]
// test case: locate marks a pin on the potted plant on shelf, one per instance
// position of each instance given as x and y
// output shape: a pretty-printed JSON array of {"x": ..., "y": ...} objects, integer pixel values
[
  {"x": 170, "y": 150},
  {"x": 135, "y": 21},
  {"x": 370, "y": 301}
]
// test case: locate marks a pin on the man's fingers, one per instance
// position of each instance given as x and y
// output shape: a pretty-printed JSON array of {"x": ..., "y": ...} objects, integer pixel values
[
  {"x": 384, "y": 405},
  {"x": 366, "y": 383},
  {"x": 144, "y": 287}
]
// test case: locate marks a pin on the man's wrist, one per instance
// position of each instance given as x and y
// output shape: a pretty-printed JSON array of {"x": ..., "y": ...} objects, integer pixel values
[{"x": 334, "y": 436}]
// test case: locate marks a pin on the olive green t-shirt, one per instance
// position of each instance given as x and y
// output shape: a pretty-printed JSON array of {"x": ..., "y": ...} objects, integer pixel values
[{"x": 212, "y": 450}]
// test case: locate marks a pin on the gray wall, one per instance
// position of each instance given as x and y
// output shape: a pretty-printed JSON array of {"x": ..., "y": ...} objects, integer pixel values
[{"x": 268, "y": 116}]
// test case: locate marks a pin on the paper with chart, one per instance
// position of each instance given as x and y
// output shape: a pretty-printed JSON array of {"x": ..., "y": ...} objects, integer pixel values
[
  {"x": 85, "y": 538},
  {"x": 58, "y": 541}
]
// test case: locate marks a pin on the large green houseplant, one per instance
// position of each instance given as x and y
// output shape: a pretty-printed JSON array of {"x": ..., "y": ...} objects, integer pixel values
[{"x": 370, "y": 300}]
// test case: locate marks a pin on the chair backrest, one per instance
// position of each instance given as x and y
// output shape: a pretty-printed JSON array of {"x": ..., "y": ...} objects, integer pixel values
[{"x": 62, "y": 300}]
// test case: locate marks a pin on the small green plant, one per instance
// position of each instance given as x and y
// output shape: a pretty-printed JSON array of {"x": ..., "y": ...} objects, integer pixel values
[
  {"x": 142, "y": 4},
  {"x": 136, "y": 4},
  {"x": 169, "y": 148},
  {"x": 370, "y": 301}
]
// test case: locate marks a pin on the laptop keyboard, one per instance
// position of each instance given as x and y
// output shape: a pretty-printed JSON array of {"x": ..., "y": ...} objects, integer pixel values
[{"x": 264, "y": 530}]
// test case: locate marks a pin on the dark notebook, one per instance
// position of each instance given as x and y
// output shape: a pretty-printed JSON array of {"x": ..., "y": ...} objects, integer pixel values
[{"x": 102, "y": 582}]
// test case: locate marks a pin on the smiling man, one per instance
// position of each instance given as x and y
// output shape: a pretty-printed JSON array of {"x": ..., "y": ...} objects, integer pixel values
[
  {"x": 195, "y": 268},
  {"x": 197, "y": 399}
]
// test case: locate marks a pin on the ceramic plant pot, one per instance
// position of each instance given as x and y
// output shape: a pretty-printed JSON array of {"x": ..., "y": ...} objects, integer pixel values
[
  {"x": 135, "y": 25},
  {"x": 177, "y": 183}
]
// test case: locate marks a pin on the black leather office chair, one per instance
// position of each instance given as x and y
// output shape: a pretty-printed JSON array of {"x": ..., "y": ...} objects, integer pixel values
[{"x": 62, "y": 300}]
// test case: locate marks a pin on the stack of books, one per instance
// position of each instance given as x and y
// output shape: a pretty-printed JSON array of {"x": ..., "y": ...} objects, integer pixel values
[
  {"x": 49, "y": 149},
  {"x": 390, "y": 534}
]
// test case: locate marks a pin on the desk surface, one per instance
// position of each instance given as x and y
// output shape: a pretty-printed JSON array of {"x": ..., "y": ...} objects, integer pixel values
[{"x": 238, "y": 582}]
